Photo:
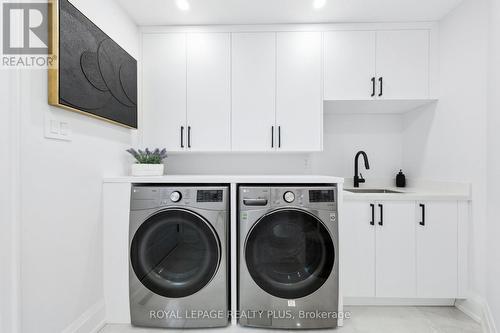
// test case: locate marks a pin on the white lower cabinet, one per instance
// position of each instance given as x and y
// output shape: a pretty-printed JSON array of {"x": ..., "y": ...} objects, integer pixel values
[
  {"x": 437, "y": 244},
  {"x": 357, "y": 248},
  {"x": 402, "y": 249},
  {"x": 395, "y": 249}
]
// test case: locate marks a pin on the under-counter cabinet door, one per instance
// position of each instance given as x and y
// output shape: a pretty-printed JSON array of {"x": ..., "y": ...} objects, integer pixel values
[
  {"x": 437, "y": 259},
  {"x": 208, "y": 91},
  {"x": 299, "y": 97},
  {"x": 403, "y": 64},
  {"x": 395, "y": 249},
  {"x": 164, "y": 91},
  {"x": 253, "y": 91},
  {"x": 357, "y": 249},
  {"x": 349, "y": 65}
]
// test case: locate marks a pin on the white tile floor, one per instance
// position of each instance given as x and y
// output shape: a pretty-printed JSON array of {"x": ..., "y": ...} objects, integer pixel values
[{"x": 365, "y": 320}]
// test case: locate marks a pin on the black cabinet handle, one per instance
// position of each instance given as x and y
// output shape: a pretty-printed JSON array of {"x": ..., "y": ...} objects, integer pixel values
[
  {"x": 189, "y": 136},
  {"x": 381, "y": 222},
  {"x": 372, "y": 222},
  {"x": 279, "y": 136},
  {"x": 422, "y": 223},
  {"x": 381, "y": 81},
  {"x": 272, "y": 136},
  {"x": 373, "y": 87},
  {"x": 182, "y": 136}
]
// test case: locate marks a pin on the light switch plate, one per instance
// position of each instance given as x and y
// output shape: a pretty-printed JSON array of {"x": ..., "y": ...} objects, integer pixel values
[{"x": 57, "y": 129}]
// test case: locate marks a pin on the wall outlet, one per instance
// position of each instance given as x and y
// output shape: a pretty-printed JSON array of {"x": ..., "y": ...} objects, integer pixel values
[
  {"x": 57, "y": 129},
  {"x": 307, "y": 163}
]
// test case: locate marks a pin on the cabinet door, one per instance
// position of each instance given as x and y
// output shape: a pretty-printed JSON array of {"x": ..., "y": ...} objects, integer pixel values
[
  {"x": 349, "y": 65},
  {"x": 403, "y": 64},
  {"x": 437, "y": 256},
  {"x": 357, "y": 250},
  {"x": 253, "y": 91},
  {"x": 209, "y": 91},
  {"x": 299, "y": 96},
  {"x": 395, "y": 244},
  {"x": 164, "y": 90}
]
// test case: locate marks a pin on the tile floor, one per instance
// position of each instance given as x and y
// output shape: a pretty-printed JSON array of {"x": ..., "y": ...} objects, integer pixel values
[{"x": 365, "y": 319}]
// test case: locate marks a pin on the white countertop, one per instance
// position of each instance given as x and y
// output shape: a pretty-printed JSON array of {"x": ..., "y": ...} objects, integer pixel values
[
  {"x": 417, "y": 190},
  {"x": 283, "y": 179}
]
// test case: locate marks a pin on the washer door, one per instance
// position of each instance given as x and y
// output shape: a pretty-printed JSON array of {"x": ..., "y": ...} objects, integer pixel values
[
  {"x": 175, "y": 253},
  {"x": 289, "y": 253}
]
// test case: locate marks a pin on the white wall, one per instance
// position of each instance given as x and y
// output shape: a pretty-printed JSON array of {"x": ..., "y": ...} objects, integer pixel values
[
  {"x": 9, "y": 272},
  {"x": 380, "y": 136},
  {"x": 493, "y": 227},
  {"x": 5, "y": 205},
  {"x": 448, "y": 142},
  {"x": 61, "y": 236}
]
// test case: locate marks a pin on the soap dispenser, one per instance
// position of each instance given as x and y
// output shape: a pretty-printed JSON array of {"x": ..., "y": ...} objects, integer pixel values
[{"x": 400, "y": 179}]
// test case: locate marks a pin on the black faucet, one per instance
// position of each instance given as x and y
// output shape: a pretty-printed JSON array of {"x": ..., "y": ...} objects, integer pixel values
[{"x": 359, "y": 179}]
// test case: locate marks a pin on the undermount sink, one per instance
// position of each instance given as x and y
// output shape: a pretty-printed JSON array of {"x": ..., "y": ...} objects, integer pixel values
[{"x": 371, "y": 190}]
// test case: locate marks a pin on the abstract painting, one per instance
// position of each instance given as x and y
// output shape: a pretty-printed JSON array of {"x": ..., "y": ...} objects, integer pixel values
[{"x": 92, "y": 73}]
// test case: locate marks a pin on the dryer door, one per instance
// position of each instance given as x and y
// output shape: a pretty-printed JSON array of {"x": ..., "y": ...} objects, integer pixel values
[
  {"x": 175, "y": 253},
  {"x": 289, "y": 253}
]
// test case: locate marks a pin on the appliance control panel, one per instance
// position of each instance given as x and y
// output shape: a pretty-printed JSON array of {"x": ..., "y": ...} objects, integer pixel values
[
  {"x": 327, "y": 195},
  {"x": 314, "y": 197},
  {"x": 209, "y": 196},
  {"x": 203, "y": 197}
]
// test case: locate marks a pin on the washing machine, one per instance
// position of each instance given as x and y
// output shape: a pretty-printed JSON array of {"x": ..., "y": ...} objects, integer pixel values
[
  {"x": 178, "y": 241},
  {"x": 288, "y": 257}
]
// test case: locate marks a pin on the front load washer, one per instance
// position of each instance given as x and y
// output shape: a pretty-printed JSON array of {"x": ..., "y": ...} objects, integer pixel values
[
  {"x": 288, "y": 256},
  {"x": 178, "y": 241}
]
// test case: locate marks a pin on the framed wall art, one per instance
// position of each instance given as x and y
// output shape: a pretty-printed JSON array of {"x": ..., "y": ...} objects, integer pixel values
[{"x": 91, "y": 74}]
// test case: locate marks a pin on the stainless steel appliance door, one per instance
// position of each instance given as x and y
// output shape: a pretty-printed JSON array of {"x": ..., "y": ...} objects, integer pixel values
[
  {"x": 289, "y": 253},
  {"x": 175, "y": 253}
]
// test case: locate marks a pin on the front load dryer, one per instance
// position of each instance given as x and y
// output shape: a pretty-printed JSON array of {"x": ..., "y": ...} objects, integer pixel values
[
  {"x": 178, "y": 271},
  {"x": 288, "y": 257}
]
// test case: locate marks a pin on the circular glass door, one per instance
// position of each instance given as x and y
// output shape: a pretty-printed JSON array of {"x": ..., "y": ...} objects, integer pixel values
[
  {"x": 175, "y": 253},
  {"x": 289, "y": 253}
]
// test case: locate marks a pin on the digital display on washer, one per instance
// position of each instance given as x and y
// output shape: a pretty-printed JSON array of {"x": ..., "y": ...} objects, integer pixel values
[
  {"x": 321, "y": 196},
  {"x": 209, "y": 196}
]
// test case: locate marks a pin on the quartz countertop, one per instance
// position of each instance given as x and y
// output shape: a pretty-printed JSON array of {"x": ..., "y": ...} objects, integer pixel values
[
  {"x": 417, "y": 190},
  {"x": 241, "y": 179}
]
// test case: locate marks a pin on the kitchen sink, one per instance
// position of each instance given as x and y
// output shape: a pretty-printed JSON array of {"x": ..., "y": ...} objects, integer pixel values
[{"x": 371, "y": 190}]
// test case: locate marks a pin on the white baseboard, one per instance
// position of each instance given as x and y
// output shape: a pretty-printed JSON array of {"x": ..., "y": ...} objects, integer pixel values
[
  {"x": 91, "y": 321},
  {"x": 478, "y": 309},
  {"x": 369, "y": 301},
  {"x": 487, "y": 321}
]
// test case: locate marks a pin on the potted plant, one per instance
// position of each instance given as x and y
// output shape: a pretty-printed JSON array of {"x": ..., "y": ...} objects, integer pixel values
[{"x": 148, "y": 163}]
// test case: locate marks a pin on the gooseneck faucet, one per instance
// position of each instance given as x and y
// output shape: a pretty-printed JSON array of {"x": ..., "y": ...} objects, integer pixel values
[{"x": 359, "y": 179}]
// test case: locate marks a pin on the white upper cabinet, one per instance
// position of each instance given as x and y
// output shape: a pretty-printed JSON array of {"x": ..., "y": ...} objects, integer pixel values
[
  {"x": 164, "y": 90},
  {"x": 299, "y": 97},
  {"x": 208, "y": 91},
  {"x": 386, "y": 65},
  {"x": 437, "y": 243},
  {"x": 264, "y": 91},
  {"x": 403, "y": 64},
  {"x": 349, "y": 65},
  {"x": 253, "y": 91}
]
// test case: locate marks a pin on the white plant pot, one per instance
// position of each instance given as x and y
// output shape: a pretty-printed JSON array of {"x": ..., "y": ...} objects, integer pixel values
[{"x": 148, "y": 169}]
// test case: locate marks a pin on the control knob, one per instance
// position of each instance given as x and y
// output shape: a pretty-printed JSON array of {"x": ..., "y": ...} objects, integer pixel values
[
  {"x": 175, "y": 196},
  {"x": 289, "y": 196}
]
